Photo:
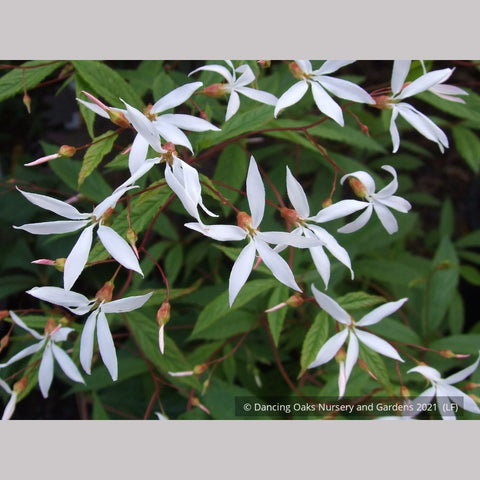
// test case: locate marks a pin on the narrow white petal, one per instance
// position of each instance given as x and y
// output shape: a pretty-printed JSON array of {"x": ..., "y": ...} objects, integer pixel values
[
  {"x": 305, "y": 65},
  {"x": 425, "y": 82},
  {"x": 330, "y": 348},
  {"x": 339, "y": 210},
  {"x": 189, "y": 122},
  {"x": 247, "y": 76},
  {"x": 386, "y": 217},
  {"x": 331, "y": 307},
  {"x": 76, "y": 260},
  {"x": 463, "y": 400},
  {"x": 66, "y": 364},
  {"x": 392, "y": 187},
  {"x": 377, "y": 344},
  {"x": 232, "y": 106},
  {"x": 188, "y": 203},
  {"x": 24, "y": 353},
  {"x": 118, "y": 248},
  {"x": 428, "y": 372},
  {"x": 106, "y": 345},
  {"x": 111, "y": 200},
  {"x": 394, "y": 131},
  {"x": 397, "y": 203},
  {"x": 352, "y": 355},
  {"x": 45, "y": 372},
  {"x": 358, "y": 223},
  {"x": 87, "y": 341},
  {"x": 240, "y": 271},
  {"x": 176, "y": 97},
  {"x": 342, "y": 380},
  {"x": 297, "y": 195},
  {"x": 380, "y": 313},
  {"x": 289, "y": 238},
  {"x": 10, "y": 407},
  {"x": 217, "y": 69},
  {"x": 126, "y": 304},
  {"x": 171, "y": 133},
  {"x": 326, "y": 104},
  {"x": 21, "y": 324},
  {"x": 59, "y": 296},
  {"x": 222, "y": 233},
  {"x": 161, "y": 339},
  {"x": 462, "y": 374},
  {"x": 444, "y": 404},
  {"x": 293, "y": 95},
  {"x": 255, "y": 193},
  {"x": 63, "y": 209},
  {"x": 277, "y": 265},
  {"x": 94, "y": 108},
  {"x": 138, "y": 153},
  {"x": 61, "y": 334},
  {"x": 145, "y": 167},
  {"x": 399, "y": 74},
  {"x": 331, "y": 66},
  {"x": 345, "y": 89},
  {"x": 258, "y": 95},
  {"x": 49, "y": 228},
  {"x": 5, "y": 386},
  {"x": 322, "y": 263}
]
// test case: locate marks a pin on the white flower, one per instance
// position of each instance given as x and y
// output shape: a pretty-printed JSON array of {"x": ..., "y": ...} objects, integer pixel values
[
  {"x": 444, "y": 392},
  {"x": 300, "y": 217},
  {"x": 321, "y": 82},
  {"x": 10, "y": 407},
  {"x": 354, "y": 335},
  {"x": 235, "y": 85},
  {"x": 379, "y": 202},
  {"x": 447, "y": 92},
  {"x": 51, "y": 351},
  {"x": 116, "y": 246},
  {"x": 258, "y": 241},
  {"x": 79, "y": 304},
  {"x": 152, "y": 125},
  {"x": 418, "y": 120}
]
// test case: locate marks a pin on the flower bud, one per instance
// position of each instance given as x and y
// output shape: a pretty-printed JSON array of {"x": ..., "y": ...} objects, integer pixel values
[
  {"x": 404, "y": 392},
  {"x": 199, "y": 369},
  {"x": 19, "y": 387},
  {"x": 215, "y": 90},
  {"x": 132, "y": 238},
  {"x": 27, "y": 102},
  {"x": 358, "y": 187},
  {"x": 196, "y": 403},
  {"x": 341, "y": 355},
  {"x": 363, "y": 365},
  {"x": 290, "y": 216},
  {"x": 264, "y": 63},
  {"x": 294, "y": 301},
  {"x": 326, "y": 203},
  {"x": 244, "y": 220},
  {"x": 297, "y": 72},
  {"x": 50, "y": 326},
  {"x": 471, "y": 386},
  {"x": 382, "y": 102},
  {"x": 450, "y": 354},
  {"x": 3, "y": 314},
  {"x": 163, "y": 314},
  {"x": 4, "y": 342},
  {"x": 105, "y": 294},
  {"x": 67, "y": 151}
]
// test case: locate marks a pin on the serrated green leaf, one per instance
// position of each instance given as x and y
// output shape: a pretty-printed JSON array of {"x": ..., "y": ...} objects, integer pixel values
[
  {"x": 100, "y": 147},
  {"x": 314, "y": 339}
]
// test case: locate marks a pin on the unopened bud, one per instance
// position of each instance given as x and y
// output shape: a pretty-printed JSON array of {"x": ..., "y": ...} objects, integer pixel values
[
  {"x": 294, "y": 301},
  {"x": 297, "y": 72},
  {"x": 326, "y": 203},
  {"x": 27, "y": 101},
  {"x": 244, "y": 220},
  {"x": 59, "y": 263},
  {"x": 404, "y": 392},
  {"x": 3, "y": 314},
  {"x": 4, "y": 342},
  {"x": 215, "y": 90},
  {"x": 341, "y": 355},
  {"x": 264, "y": 63},
  {"x": 363, "y": 365},
  {"x": 358, "y": 187},
  {"x": 20, "y": 386},
  {"x": 50, "y": 326},
  {"x": 196, "y": 403},
  {"x": 205, "y": 386},
  {"x": 118, "y": 118},
  {"x": 199, "y": 369},
  {"x": 290, "y": 216},
  {"x": 163, "y": 314},
  {"x": 364, "y": 129},
  {"x": 132, "y": 238},
  {"x": 450, "y": 354},
  {"x": 471, "y": 386},
  {"x": 67, "y": 151},
  {"x": 105, "y": 294}
]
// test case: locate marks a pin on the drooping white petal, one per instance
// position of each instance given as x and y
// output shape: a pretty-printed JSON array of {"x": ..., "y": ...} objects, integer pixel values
[
  {"x": 24, "y": 353},
  {"x": 22, "y": 324},
  {"x": 161, "y": 339},
  {"x": 232, "y": 106},
  {"x": 63, "y": 209},
  {"x": 49, "y": 228},
  {"x": 305, "y": 65},
  {"x": 352, "y": 355},
  {"x": 397, "y": 203},
  {"x": 45, "y": 372},
  {"x": 340, "y": 209},
  {"x": 255, "y": 193},
  {"x": 146, "y": 166},
  {"x": 399, "y": 74},
  {"x": 277, "y": 265},
  {"x": 217, "y": 69},
  {"x": 138, "y": 153},
  {"x": 394, "y": 130},
  {"x": 171, "y": 133},
  {"x": 377, "y": 344},
  {"x": 293, "y": 95},
  {"x": 326, "y": 104},
  {"x": 289, "y": 238},
  {"x": 189, "y": 122},
  {"x": 118, "y": 248},
  {"x": 188, "y": 203},
  {"x": 10, "y": 407},
  {"x": 418, "y": 404},
  {"x": 176, "y": 97},
  {"x": 331, "y": 307},
  {"x": 345, "y": 89},
  {"x": 447, "y": 91},
  {"x": 87, "y": 341},
  {"x": 106, "y": 345},
  {"x": 392, "y": 187},
  {"x": 359, "y": 222},
  {"x": 330, "y": 348},
  {"x": 459, "y": 397},
  {"x": 425, "y": 82},
  {"x": 61, "y": 334},
  {"x": 222, "y": 233},
  {"x": 76, "y": 260},
  {"x": 342, "y": 380},
  {"x": 386, "y": 217},
  {"x": 444, "y": 404},
  {"x": 240, "y": 271},
  {"x": 322, "y": 263},
  {"x": 111, "y": 200},
  {"x": 126, "y": 304},
  {"x": 60, "y": 296},
  {"x": 247, "y": 76},
  {"x": 380, "y": 313},
  {"x": 297, "y": 195},
  {"x": 330, "y": 66},
  {"x": 258, "y": 95},
  {"x": 462, "y": 374},
  {"x": 5, "y": 386},
  {"x": 66, "y": 364},
  {"x": 94, "y": 108},
  {"x": 429, "y": 373}
]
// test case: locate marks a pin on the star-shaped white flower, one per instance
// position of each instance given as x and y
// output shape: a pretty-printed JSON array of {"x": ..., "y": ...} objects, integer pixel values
[
  {"x": 444, "y": 391},
  {"x": 379, "y": 202},
  {"x": 354, "y": 334},
  {"x": 400, "y": 92},
  {"x": 79, "y": 304},
  {"x": 51, "y": 351},
  {"x": 300, "y": 218},
  {"x": 258, "y": 241},
  {"x": 152, "y": 125},
  {"x": 116, "y": 246},
  {"x": 320, "y": 82},
  {"x": 235, "y": 85}
]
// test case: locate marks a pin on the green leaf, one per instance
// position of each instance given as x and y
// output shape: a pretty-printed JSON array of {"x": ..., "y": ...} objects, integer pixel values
[
  {"x": 359, "y": 300},
  {"x": 461, "y": 344},
  {"x": 98, "y": 412},
  {"x": 447, "y": 219},
  {"x": 377, "y": 366},
  {"x": 232, "y": 324},
  {"x": 88, "y": 115},
  {"x": 229, "y": 364},
  {"x": 174, "y": 263},
  {"x": 471, "y": 239},
  {"x": 100, "y": 147},
  {"x": 468, "y": 111},
  {"x": 314, "y": 339},
  {"x": 12, "y": 82},
  {"x": 468, "y": 145},
  {"x": 470, "y": 274},
  {"x": 107, "y": 83},
  {"x": 10, "y": 284},
  {"x": 276, "y": 318},
  {"x": 219, "y": 307},
  {"x": 456, "y": 315}
]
